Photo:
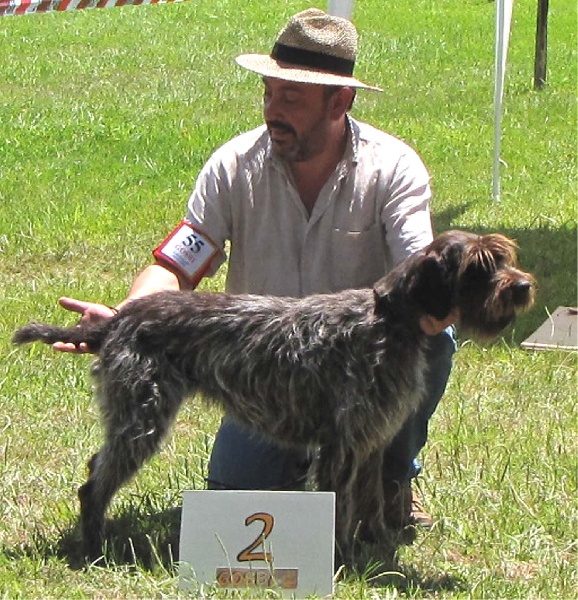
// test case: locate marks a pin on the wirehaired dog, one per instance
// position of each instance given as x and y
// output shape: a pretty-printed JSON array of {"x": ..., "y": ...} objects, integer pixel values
[{"x": 338, "y": 373}]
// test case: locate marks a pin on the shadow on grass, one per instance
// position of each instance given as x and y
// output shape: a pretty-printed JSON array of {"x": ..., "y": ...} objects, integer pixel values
[
  {"x": 445, "y": 582},
  {"x": 135, "y": 538},
  {"x": 410, "y": 580},
  {"x": 549, "y": 253},
  {"x": 150, "y": 541},
  {"x": 402, "y": 577},
  {"x": 147, "y": 539}
]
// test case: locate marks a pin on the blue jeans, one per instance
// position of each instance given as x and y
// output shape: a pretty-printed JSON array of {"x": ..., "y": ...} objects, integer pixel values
[{"x": 246, "y": 461}]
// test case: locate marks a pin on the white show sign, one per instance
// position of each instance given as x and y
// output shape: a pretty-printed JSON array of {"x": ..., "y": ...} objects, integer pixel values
[{"x": 238, "y": 539}]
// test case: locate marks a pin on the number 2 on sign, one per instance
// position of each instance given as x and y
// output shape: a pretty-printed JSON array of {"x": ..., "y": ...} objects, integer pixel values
[{"x": 248, "y": 553}]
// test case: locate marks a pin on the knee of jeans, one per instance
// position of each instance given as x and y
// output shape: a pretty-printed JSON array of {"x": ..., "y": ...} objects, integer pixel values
[
  {"x": 439, "y": 361},
  {"x": 242, "y": 460}
]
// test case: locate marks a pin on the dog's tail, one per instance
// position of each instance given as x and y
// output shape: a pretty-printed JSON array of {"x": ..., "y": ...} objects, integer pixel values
[{"x": 92, "y": 334}]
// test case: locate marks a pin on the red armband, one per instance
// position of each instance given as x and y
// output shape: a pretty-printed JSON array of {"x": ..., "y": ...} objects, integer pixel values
[{"x": 187, "y": 251}]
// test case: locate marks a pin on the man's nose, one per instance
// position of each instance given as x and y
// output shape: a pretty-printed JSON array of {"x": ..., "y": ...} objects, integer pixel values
[{"x": 271, "y": 107}]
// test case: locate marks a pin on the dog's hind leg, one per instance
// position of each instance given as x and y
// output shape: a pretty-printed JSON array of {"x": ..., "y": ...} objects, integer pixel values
[
  {"x": 134, "y": 429},
  {"x": 91, "y": 462},
  {"x": 108, "y": 471}
]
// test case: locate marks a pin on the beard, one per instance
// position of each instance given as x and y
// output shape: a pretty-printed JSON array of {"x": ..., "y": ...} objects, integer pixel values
[{"x": 290, "y": 146}]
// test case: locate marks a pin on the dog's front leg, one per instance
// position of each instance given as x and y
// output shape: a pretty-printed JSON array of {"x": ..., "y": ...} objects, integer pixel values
[{"x": 369, "y": 506}]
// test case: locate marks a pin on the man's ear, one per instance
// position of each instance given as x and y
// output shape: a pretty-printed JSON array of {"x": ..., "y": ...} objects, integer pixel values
[{"x": 341, "y": 101}]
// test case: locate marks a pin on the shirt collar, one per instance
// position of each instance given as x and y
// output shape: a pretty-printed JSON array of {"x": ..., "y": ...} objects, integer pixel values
[{"x": 352, "y": 148}]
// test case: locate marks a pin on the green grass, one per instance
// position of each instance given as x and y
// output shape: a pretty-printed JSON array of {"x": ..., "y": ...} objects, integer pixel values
[{"x": 106, "y": 116}]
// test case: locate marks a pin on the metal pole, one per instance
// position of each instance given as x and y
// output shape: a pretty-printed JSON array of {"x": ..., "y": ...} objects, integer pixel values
[
  {"x": 498, "y": 94},
  {"x": 503, "y": 22},
  {"x": 340, "y": 8},
  {"x": 541, "y": 45}
]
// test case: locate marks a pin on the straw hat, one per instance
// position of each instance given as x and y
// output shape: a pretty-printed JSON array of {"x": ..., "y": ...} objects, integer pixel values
[{"x": 314, "y": 47}]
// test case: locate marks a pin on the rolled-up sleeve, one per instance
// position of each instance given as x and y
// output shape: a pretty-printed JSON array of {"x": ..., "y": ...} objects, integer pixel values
[
  {"x": 208, "y": 208},
  {"x": 406, "y": 213}
]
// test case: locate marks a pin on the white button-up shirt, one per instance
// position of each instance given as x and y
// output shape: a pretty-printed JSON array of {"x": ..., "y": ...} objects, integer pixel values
[{"x": 371, "y": 214}]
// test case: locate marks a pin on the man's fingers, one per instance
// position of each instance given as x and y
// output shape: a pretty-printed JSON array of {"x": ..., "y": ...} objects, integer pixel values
[
  {"x": 89, "y": 311},
  {"x": 73, "y": 305},
  {"x": 81, "y": 348}
]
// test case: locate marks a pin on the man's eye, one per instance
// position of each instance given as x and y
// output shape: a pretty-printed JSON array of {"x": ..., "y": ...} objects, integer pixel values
[{"x": 291, "y": 98}]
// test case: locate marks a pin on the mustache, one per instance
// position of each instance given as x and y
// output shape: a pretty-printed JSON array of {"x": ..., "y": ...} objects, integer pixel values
[{"x": 280, "y": 126}]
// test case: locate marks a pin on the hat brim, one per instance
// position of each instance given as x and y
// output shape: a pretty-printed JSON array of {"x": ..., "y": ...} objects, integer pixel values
[{"x": 264, "y": 65}]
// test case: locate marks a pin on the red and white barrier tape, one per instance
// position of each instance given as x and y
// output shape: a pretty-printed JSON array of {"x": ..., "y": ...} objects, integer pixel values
[{"x": 25, "y": 7}]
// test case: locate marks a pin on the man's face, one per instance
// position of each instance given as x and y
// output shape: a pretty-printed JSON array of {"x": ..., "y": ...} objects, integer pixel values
[{"x": 297, "y": 117}]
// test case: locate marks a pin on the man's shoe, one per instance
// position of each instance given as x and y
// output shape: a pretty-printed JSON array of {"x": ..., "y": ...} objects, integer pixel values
[
  {"x": 404, "y": 508},
  {"x": 418, "y": 516}
]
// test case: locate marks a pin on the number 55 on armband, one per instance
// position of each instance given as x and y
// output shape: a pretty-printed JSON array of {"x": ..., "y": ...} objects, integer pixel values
[{"x": 187, "y": 251}]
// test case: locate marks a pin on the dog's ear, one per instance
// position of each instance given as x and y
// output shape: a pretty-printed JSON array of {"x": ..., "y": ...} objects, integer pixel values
[
  {"x": 431, "y": 286},
  {"x": 424, "y": 283}
]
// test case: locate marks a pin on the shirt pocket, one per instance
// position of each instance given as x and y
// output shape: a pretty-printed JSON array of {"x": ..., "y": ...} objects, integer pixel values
[{"x": 358, "y": 258}]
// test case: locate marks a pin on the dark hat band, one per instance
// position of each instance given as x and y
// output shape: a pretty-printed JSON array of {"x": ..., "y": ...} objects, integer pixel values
[{"x": 312, "y": 60}]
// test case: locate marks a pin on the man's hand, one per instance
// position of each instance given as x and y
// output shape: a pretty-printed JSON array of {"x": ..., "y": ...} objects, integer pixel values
[
  {"x": 154, "y": 278},
  {"x": 90, "y": 312},
  {"x": 432, "y": 326}
]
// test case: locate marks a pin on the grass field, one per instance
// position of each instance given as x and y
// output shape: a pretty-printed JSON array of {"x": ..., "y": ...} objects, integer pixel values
[{"x": 106, "y": 116}]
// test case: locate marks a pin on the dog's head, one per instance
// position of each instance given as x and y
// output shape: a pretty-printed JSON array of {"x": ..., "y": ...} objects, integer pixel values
[{"x": 474, "y": 276}]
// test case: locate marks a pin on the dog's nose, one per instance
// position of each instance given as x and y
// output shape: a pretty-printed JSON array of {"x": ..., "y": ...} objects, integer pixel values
[{"x": 522, "y": 292}]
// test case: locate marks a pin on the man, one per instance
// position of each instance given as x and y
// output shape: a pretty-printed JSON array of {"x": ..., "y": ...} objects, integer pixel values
[{"x": 313, "y": 201}]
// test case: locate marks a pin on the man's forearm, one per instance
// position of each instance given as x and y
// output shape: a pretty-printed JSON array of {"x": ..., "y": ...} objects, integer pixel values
[{"x": 152, "y": 279}]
